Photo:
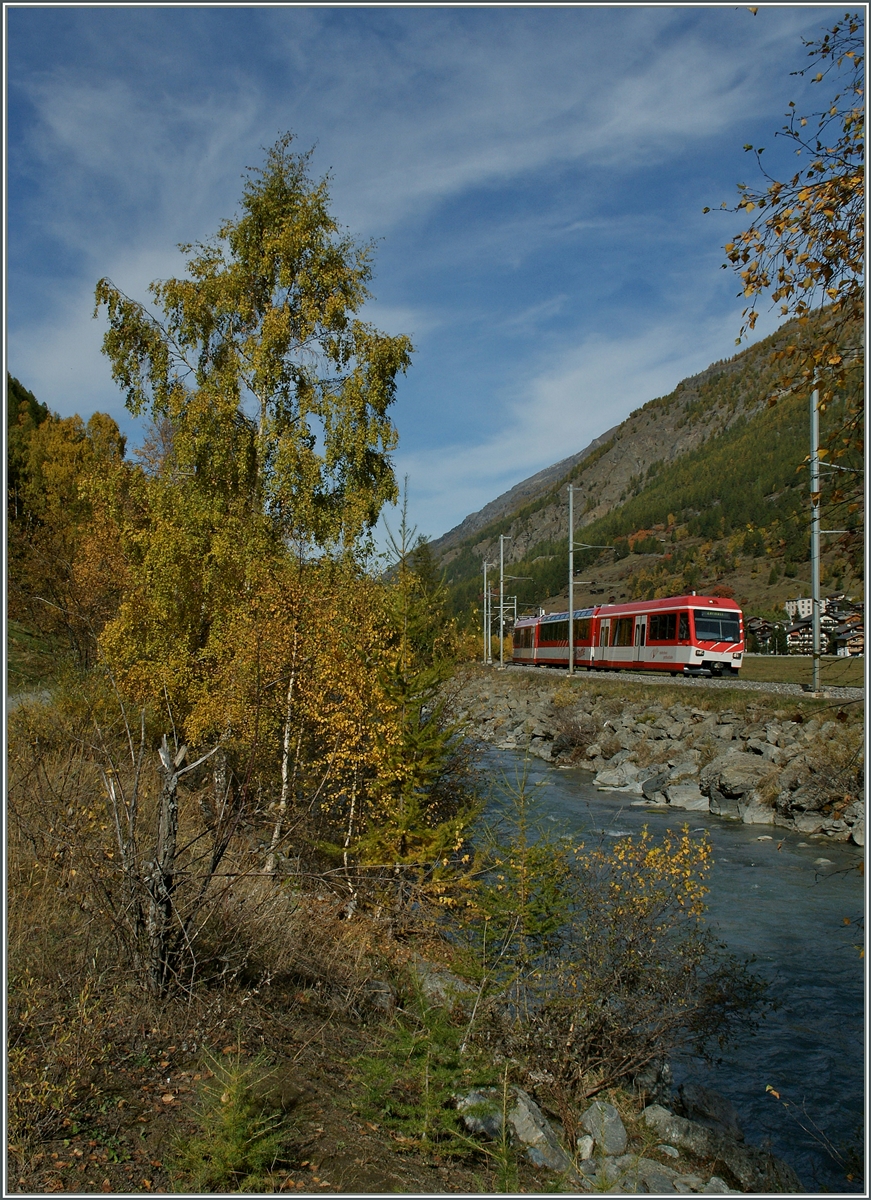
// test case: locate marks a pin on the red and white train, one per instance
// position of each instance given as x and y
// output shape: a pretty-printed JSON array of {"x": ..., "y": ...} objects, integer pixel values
[{"x": 683, "y": 635}]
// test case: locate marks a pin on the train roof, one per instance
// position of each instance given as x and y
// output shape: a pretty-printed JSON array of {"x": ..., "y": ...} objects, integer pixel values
[
  {"x": 691, "y": 601},
  {"x": 634, "y": 606}
]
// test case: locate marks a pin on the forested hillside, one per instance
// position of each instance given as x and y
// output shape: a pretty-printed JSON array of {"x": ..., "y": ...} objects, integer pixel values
[{"x": 705, "y": 487}]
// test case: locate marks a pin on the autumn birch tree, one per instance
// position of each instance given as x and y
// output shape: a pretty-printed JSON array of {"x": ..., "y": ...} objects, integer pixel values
[
  {"x": 274, "y": 387},
  {"x": 805, "y": 249},
  {"x": 276, "y": 395}
]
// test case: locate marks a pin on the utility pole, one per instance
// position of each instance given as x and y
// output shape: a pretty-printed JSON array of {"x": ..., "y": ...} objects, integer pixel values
[
  {"x": 503, "y": 538},
  {"x": 815, "y": 533},
  {"x": 571, "y": 580},
  {"x": 572, "y": 548},
  {"x": 486, "y": 617}
]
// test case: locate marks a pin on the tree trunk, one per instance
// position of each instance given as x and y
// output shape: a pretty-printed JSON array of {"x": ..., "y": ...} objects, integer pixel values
[
  {"x": 160, "y": 875},
  {"x": 286, "y": 775}
]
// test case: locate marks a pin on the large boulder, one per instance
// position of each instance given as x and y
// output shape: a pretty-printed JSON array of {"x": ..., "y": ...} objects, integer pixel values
[
  {"x": 654, "y": 784},
  {"x": 631, "y": 1174},
  {"x": 747, "y": 1167},
  {"x": 688, "y": 796},
  {"x": 603, "y": 1121},
  {"x": 731, "y": 780},
  {"x": 754, "y": 811},
  {"x": 485, "y": 1111},
  {"x": 734, "y": 774},
  {"x": 438, "y": 985}
]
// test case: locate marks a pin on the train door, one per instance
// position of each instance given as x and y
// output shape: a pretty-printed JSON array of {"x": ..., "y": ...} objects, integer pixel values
[
  {"x": 640, "y": 638},
  {"x": 604, "y": 634}
]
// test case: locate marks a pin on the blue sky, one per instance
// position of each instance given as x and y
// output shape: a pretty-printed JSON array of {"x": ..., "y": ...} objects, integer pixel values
[{"x": 534, "y": 177}]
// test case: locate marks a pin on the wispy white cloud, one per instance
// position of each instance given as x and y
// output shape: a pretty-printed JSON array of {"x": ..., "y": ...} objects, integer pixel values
[
  {"x": 559, "y": 410},
  {"x": 450, "y": 132}
]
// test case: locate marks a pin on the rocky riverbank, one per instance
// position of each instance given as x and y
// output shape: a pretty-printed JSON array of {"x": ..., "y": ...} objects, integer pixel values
[
  {"x": 789, "y": 767},
  {"x": 671, "y": 1142}
]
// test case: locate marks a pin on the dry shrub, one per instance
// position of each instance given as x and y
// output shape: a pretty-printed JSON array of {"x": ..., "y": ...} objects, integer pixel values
[
  {"x": 610, "y": 746},
  {"x": 264, "y": 932},
  {"x": 575, "y": 730},
  {"x": 835, "y": 769},
  {"x": 59, "y": 1013},
  {"x": 650, "y": 751}
]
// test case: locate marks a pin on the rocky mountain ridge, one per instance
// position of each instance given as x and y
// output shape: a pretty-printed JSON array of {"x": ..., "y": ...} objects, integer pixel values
[
  {"x": 614, "y": 464},
  {"x": 705, "y": 488}
]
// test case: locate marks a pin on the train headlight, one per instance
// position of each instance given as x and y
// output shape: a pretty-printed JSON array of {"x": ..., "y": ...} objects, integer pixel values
[
  {"x": 738, "y": 655},
  {"x": 700, "y": 653}
]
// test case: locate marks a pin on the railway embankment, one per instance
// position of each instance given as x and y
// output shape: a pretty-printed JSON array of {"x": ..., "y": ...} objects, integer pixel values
[{"x": 767, "y": 760}]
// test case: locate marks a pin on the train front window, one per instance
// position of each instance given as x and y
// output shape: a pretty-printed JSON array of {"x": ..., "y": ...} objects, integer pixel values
[{"x": 717, "y": 627}]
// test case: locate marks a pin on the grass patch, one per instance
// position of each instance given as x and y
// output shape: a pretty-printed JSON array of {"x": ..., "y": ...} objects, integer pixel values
[
  {"x": 31, "y": 660},
  {"x": 798, "y": 668}
]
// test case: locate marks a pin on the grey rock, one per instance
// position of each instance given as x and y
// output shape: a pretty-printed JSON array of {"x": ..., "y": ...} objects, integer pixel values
[
  {"x": 654, "y": 1081},
  {"x": 857, "y": 833},
  {"x": 654, "y": 784},
  {"x": 688, "y": 796},
  {"x": 677, "y": 1131},
  {"x": 611, "y": 777},
  {"x": 585, "y": 1147},
  {"x": 754, "y": 812},
  {"x": 807, "y": 822},
  {"x": 379, "y": 995},
  {"x": 483, "y": 1114},
  {"x": 541, "y": 748},
  {"x": 602, "y": 1120},
  {"x": 685, "y": 768},
  {"x": 724, "y": 805},
  {"x": 632, "y": 1174},
  {"x": 755, "y": 1170},
  {"x": 438, "y": 984},
  {"x": 716, "y": 1187},
  {"x": 733, "y": 774},
  {"x": 808, "y": 798},
  {"x": 751, "y": 1169}
]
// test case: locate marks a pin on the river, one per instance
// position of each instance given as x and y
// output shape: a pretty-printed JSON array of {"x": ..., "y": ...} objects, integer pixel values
[{"x": 772, "y": 898}]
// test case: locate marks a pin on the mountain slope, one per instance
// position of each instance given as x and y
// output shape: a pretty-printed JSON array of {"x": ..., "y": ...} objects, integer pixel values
[{"x": 696, "y": 488}]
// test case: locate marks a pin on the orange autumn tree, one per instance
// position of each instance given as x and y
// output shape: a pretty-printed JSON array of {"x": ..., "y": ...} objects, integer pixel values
[{"x": 64, "y": 567}]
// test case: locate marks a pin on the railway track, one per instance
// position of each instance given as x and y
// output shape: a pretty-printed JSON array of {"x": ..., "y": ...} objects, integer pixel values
[{"x": 851, "y": 694}]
